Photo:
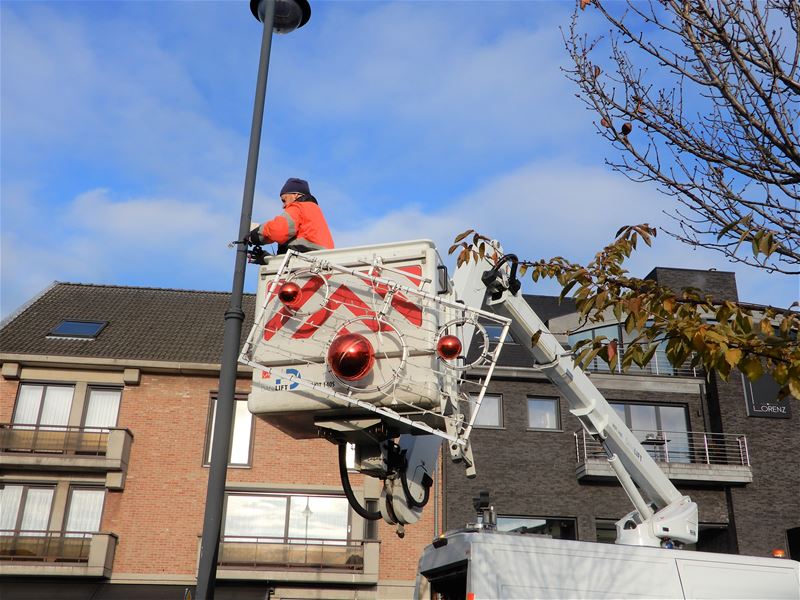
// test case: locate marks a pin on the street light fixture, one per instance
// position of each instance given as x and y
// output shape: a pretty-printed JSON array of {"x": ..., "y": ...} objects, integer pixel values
[
  {"x": 289, "y": 14},
  {"x": 281, "y": 16}
]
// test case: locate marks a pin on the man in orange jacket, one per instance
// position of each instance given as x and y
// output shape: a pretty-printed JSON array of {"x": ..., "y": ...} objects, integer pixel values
[{"x": 300, "y": 227}]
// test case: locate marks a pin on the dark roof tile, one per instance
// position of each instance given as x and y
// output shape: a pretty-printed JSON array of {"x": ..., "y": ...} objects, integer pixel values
[{"x": 143, "y": 323}]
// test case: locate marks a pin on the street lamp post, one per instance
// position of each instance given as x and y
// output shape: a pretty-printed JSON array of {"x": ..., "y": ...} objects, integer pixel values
[{"x": 282, "y": 16}]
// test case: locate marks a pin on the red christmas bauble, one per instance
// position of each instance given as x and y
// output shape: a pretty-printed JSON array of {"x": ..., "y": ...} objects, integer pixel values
[{"x": 351, "y": 357}]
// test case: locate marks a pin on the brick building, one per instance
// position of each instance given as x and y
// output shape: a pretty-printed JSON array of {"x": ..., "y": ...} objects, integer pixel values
[
  {"x": 731, "y": 446},
  {"x": 106, "y": 409}
]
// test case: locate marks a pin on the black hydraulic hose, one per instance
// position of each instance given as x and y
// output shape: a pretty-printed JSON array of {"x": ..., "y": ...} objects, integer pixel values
[
  {"x": 348, "y": 490},
  {"x": 410, "y": 500},
  {"x": 489, "y": 277}
]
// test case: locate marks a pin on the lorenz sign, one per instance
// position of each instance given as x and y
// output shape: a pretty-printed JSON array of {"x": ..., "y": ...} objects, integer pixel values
[{"x": 762, "y": 399}]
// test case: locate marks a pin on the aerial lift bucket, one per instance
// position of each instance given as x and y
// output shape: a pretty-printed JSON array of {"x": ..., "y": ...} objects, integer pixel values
[{"x": 369, "y": 341}]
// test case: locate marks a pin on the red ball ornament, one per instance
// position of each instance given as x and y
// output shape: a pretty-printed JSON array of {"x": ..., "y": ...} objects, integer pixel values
[
  {"x": 289, "y": 294},
  {"x": 351, "y": 357},
  {"x": 448, "y": 347}
]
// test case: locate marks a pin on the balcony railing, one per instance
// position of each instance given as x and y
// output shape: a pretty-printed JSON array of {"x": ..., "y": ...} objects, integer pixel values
[
  {"x": 689, "y": 456},
  {"x": 45, "y": 546},
  {"x": 56, "y": 553},
  {"x": 684, "y": 447},
  {"x": 658, "y": 365},
  {"x": 302, "y": 553},
  {"x": 53, "y": 439},
  {"x": 62, "y": 448}
]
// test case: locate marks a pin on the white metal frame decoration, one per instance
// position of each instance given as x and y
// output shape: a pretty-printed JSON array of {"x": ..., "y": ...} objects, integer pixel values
[{"x": 443, "y": 316}]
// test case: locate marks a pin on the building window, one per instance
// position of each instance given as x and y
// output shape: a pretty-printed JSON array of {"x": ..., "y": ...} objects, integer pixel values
[
  {"x": 609, "y": 332},
  {"x": 242, "y": 437},
  {"x": 606, "y": 531},
  {"x": 25, "y": 508},
  {"x": 494, "y": 331},
  {"x": 102, "y": 409},
  {"x": 43, "y": 406},
  {"x": 85, "y": 511},
  {"x": 558, "y": 528},
  {"x": 78, "y": 329},
  {"x": 663, "y": 430},
  {"x": 543, "y": 413},
  {"x": 490, "y": 413},
  {"x": 286, "y": 518}
]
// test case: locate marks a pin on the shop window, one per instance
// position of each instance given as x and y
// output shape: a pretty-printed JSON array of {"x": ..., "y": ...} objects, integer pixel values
[
  {"x": 25, "y": 509},
  {"x": 242, "y": 435},
  {"x": 490, "y": 413},
  {"x": 558, "y": 528},
  {"x": 543, "y": 413},
  {"x": 45, "y": 406}
]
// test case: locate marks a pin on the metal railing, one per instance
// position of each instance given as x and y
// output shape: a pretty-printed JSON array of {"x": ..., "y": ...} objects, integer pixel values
[
  {"x": 45, "y": 546},
  {"x": 307, "y": 553},
  {"x": 685, "y": 447},
  {"x": 53, "y": 439},
  {"x": 658, "y": 365}
]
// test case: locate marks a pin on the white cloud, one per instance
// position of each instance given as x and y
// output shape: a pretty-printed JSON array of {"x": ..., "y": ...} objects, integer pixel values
[
  {"x": 546, "y": 209},
  {"x": 457, "y": 83},
  {"x": 112, "y": 95},
  {"x": 97, "y": 238}
]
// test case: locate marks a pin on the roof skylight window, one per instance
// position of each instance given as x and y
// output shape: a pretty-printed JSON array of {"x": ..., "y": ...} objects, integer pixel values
[{"x": 69, "y": 328}]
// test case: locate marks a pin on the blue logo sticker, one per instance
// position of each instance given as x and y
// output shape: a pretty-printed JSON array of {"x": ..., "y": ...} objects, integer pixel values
[{"x": 288, "y": 384}]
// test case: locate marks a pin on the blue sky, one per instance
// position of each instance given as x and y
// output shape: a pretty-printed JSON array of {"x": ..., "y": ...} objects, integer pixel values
[{"x": 124, "y": 129}]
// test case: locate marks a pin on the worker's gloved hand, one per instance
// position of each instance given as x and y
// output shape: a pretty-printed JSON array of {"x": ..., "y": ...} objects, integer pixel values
[{"x": 254, "y": 237}]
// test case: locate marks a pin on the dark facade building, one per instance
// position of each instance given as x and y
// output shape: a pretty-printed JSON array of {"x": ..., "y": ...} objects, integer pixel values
[{"x": 729, "y": 445}]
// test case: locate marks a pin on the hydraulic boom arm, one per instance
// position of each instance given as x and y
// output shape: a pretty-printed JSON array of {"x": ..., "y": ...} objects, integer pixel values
[{"x": 663, "y": 515}]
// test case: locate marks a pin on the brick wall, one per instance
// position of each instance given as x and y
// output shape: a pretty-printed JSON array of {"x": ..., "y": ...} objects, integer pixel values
[{"x": 159, "y": 515}]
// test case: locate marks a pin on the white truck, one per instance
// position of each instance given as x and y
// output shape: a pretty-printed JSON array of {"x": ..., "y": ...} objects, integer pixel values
[{"x": 368, "y": 346}]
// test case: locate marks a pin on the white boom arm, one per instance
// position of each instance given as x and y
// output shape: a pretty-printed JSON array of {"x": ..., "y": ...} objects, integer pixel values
[{"x": 666, "y": 514}]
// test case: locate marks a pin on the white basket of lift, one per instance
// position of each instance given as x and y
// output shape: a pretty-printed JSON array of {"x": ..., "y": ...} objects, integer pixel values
[{"x": 368, "y": 337}]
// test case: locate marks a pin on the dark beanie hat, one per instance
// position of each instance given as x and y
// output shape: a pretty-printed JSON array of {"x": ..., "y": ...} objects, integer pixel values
[{"x": 294, "y": 185}]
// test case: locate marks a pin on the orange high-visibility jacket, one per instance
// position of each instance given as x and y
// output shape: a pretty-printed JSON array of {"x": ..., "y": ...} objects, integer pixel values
[{"x": 301, "y": 226}]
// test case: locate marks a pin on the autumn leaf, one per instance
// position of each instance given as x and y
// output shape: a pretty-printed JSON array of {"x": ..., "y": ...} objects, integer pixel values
[
  {"x": 461, "y": 236},
  {"x": 751, "y": 367},
  {"x": 733, "y": 356},
  {"x": 612, "y": 350},
  {"x": 585, "y": 3},
  {"x": 794, "y": 387},
  {"x": 766, "y": 327}
]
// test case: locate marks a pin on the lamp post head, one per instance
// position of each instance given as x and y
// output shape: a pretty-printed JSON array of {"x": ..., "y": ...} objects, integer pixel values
[{"x": 289, "y": 14}]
